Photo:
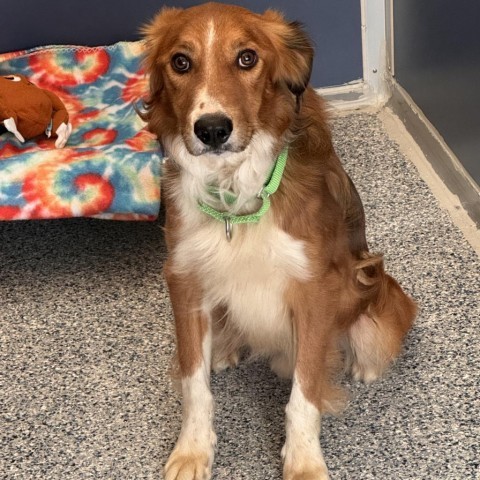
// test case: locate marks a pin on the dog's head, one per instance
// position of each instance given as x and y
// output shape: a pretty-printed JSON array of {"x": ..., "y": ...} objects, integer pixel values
[{"x": 221, "y": 74}]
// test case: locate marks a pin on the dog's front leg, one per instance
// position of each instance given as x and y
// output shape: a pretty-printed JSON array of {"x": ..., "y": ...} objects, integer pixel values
[
  {"x": 192, "y": 456},
  {"x": 311, "y": 391},
  {"x": 302, "y": 455}
]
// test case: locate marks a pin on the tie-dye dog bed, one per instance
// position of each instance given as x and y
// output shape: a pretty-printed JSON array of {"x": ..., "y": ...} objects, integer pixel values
[{"x": 110, "y": 166}]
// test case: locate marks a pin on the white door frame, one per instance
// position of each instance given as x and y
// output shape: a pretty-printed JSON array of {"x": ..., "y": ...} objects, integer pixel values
[{"x": 377, "y": 59}]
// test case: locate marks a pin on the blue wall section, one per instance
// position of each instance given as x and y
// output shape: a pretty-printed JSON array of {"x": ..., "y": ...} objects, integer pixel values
[
  {"x": 334, "y": 26},
  {"x": 437, "y": 61}
]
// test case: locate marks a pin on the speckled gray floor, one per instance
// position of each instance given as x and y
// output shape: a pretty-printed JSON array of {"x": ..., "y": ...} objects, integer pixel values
[{"x": 86, "y": 339}]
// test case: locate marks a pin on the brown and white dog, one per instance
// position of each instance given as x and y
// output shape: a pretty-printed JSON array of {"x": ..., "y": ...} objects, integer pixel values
[{"x": 228, "y": 92}]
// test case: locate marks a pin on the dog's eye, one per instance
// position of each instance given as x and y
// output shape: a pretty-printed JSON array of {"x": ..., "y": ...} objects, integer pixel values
[
  {"x": 181, "y": 63},
  {"x": 247, "y": 59}
]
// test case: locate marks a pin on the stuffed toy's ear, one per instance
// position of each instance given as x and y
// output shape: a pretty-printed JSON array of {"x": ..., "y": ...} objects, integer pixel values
[{"x": 294, "y": 51}]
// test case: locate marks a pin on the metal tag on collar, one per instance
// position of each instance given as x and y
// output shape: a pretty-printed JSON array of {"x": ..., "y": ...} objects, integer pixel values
[{"x": 228, "y": 228}]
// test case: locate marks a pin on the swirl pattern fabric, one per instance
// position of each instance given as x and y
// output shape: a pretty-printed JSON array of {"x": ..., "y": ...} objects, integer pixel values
[{"x": 111, "y": 166}]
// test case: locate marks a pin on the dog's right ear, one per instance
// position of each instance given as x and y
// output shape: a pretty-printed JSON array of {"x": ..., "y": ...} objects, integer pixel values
[
  {"x": 294, "y": 52},
  {"x": 155, "y": 34}
]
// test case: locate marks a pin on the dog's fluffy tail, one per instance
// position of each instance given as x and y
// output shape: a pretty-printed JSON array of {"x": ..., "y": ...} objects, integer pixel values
[{"x": 375, "y": 339}]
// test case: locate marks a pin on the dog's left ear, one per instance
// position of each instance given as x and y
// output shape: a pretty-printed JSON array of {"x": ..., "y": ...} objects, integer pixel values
[{"x": 294, "y": 52}]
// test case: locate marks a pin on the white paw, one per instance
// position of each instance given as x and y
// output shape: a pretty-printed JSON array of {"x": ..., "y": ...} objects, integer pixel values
[
  {"x": 229, "y": 361},
  {"x": 304, "y": 463},
  {"x": 365, "y": 373},
  {"x": 317, "y": 472},
  {"x": 184, "y": 465}
]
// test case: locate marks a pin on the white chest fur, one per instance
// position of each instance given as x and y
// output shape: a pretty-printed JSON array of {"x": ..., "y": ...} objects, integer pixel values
[{"x": 248, "y": 275}]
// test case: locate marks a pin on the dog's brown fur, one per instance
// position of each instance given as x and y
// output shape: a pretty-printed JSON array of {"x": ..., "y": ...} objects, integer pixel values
[{"x": 347, "y": 301}]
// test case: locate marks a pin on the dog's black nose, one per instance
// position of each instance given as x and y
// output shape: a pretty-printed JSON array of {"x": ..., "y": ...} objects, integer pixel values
[{"x": 213, "y": 130}]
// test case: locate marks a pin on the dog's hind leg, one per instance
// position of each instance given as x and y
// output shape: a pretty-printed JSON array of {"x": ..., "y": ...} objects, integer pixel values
[
  {"x": 375, "y": 339},
  {"x": 370, "y": 348}
]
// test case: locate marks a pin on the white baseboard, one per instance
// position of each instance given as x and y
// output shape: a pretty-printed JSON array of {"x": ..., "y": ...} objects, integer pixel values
[{"x": 351, "y": 96}]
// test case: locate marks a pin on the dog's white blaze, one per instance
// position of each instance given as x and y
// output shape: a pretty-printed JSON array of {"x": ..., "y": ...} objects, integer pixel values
[
  {"x": 210, "y": 57},
  {"x": 302, "y": 452},
  {"x": 210, "y": 36},
  {"x": 197, "y": 438},
  {"x": 210, "y": 102}
]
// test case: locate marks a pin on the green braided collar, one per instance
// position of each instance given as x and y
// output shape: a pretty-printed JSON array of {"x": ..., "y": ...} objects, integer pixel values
[{"x": 269, "y": 188}]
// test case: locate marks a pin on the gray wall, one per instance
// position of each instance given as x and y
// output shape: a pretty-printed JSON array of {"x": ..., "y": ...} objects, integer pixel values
[
  {"x": 437, "y": 61},
  {"x": 333, "y": 24}
]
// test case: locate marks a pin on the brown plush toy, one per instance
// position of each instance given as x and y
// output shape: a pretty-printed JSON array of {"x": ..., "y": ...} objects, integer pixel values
[{"x": 28, "y": 111}]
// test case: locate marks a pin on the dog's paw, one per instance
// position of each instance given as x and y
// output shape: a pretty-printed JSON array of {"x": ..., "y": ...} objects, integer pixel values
[
  {"x": 304, "y": 464},
  {"x": 222, "y": 363},
  {"x": 319, "y": 472},
  {"x": 188, "y": 466},
  {"x": 365, "y": 373}
]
